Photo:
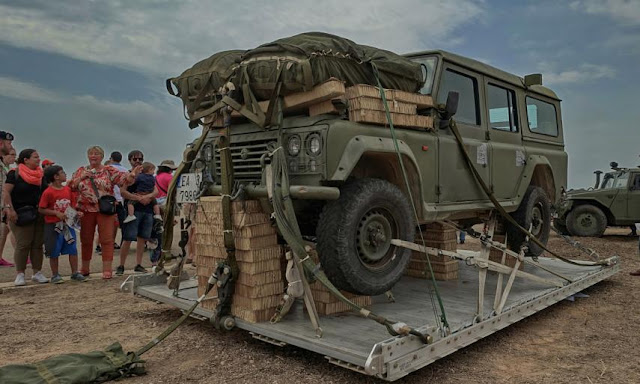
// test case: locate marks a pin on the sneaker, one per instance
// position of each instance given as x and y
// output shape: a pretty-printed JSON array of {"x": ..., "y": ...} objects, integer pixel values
[
  {"x": 128, "y": 219},
  {"x": 120, "y": 270},
  {"x": 19, "y": 280},
  {"x": 140, "y": 269},
  {"x": 56, "y": 279},
  {"x": 158, "y": 226},
  {"x": 5, "y": 263},
  {"x": 39, "y": 278},
  {"x": 78, "y": 277},
  {"x": 157, "y": 217},
  {"x": 98, "y": 249},
  {"x": 152, "y": 244}
]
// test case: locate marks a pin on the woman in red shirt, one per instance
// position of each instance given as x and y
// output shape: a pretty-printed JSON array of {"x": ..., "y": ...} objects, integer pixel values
[{"x": 104, "y": 178}]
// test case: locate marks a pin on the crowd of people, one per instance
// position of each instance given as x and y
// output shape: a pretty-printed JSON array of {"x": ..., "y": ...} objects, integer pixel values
[{"x": 42, "y": 209}]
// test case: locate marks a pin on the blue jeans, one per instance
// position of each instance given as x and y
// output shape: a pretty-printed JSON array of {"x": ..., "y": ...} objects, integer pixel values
[{"x": 139, "y": 228}]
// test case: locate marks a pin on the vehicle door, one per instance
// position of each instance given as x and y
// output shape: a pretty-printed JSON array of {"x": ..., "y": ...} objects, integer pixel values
[
  {"x": 619, "y": 194},
  {"x": 508, "y": 156},
  {"x": 633, "y": 198},
  {"x": 455, "y": 181}
]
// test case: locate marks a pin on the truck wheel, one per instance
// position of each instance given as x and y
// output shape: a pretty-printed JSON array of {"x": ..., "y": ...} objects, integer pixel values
[
  {"x": 534, "y": 211},
  {"x": 354, "y": 236},
  {"x": 586, "y": 220},
  {"x": 561, "y": 227}
]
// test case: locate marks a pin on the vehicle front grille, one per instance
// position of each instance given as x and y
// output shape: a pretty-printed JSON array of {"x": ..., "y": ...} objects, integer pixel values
[{"x": 246, "y": 158}]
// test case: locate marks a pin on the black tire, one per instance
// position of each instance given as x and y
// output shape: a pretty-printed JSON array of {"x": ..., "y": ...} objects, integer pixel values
[
  {"x": 561, "y": 226},
  {"x": 369, "y": 211},
  {"x": 586, "y": 220},
  {"x": 535, "y": 208}
]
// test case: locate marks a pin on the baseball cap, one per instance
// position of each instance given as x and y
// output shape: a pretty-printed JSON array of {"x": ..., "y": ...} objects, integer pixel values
[
  {"x": 46, "y": 162},
  {"x": 169, "y": 164},
  {"x": 6, "y": 136}
]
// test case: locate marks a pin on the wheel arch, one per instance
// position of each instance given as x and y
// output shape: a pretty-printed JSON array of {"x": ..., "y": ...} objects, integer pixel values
[
  {"x": 375, "y": 157},
  {"x": 539, "y": 173}
]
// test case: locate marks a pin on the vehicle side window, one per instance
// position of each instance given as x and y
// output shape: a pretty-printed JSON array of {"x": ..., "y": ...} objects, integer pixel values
[
  {"x": 622, "y": 180},
  {"x": 503, "y": 115},
  {"x": 542, "y": 117},
  {"x": 636, "y": 183},
  {"x": 467, "y": 87}
]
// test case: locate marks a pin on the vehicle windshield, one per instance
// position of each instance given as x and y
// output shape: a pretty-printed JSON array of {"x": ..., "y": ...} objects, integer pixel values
[
  {"x": 428, "y": 66},
  {"x": 617, "y": 179},
  {"x": 621, "y": 180}
]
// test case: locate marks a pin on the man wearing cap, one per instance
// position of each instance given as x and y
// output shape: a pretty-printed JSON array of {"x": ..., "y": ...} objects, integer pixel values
[
  {"x": 5, "y": 148},
  {"x": 46, "y": 163}
]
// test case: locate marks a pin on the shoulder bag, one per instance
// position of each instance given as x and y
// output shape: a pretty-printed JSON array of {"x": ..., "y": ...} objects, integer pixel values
[{"x": 106, "y": 203}]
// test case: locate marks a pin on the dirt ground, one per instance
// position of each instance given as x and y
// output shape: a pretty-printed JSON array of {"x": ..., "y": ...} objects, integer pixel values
[{"x": 591, "y": 340}]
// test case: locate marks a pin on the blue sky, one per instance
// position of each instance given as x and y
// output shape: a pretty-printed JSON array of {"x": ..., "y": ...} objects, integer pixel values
[{"x": 80, "y": 73}]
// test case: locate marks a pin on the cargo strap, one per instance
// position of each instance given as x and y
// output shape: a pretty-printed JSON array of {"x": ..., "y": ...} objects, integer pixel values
[
  {"x": 169, "y": 213},
  {"x": 443, "y": 316},
  {"x": 501, "y": 210},
  {"x": 227, "y": 271}
]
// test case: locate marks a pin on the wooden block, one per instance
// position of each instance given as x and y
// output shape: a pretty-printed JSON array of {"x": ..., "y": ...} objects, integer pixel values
[
  {"x": 252, "y": 316},
  {"x": 376, "y": 104},
  {"x": 210, "y": 303},
  {"x": 253, "y": 230},
  {"x": 258, "y": 255},
  {"x": 259, "y": 267},
  {"x": 204, "y": 271},
  {"x": 205, "y": 251},
  {"x": 257, "y": 303},
  {"x": 440, "y": 267},
  {"x": 325, "y": 107},
  {"x": 400, "y": 120},
  {"x": 328, "y": 90},
  {"x": 364, "y": 90},
  {"x": 325, "y": 309},
  {"x": 249, "y": 243},
  {"x": 259, "y": 278},
  {"x": 265, "y": 290}
]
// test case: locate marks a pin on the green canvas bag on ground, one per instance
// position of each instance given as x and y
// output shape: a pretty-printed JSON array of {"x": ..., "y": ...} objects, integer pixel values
[{"x": 92, "y": 367}]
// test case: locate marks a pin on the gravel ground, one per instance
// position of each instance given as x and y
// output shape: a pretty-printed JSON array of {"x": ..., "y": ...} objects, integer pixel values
[{"x": 591, "y": 340}]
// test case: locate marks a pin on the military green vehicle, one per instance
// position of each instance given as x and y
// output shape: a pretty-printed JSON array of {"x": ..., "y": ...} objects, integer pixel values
[
  {"x": 348, "y": 187},
  {"x": 613, "y": 201}
]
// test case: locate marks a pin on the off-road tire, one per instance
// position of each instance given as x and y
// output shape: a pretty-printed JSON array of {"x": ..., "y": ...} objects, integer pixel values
[
  {"x": 362, "y": 209},
  {"x": 534, "y": 203},
  {"x": 561, "y": 226},
  {"x": 586, "y": 220}
]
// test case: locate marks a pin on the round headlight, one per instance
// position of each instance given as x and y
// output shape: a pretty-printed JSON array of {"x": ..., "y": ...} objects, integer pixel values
[
  {"x": 293, "y": 145},
  {"x": 314, "y": 144},
  {"x": 208, "y": 152}
]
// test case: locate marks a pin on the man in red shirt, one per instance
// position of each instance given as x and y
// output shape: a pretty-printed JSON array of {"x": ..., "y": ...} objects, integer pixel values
[{"x": 59, "y": 238}]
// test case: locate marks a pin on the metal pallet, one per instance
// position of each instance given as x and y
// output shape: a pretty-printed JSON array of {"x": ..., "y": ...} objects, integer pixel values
[{"x": 364, "y": 346}]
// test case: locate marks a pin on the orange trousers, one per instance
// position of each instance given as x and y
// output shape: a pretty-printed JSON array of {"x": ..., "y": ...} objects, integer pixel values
[{"x": 106, "y": 229}]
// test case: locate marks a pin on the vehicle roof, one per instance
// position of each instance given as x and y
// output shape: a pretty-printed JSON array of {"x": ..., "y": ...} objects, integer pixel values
[{"x": 486, "y": 69}]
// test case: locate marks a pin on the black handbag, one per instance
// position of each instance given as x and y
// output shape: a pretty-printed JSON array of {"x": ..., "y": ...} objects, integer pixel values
[
  {"x": 26, "y": 215},
  {"x": 106, "y": 203}
]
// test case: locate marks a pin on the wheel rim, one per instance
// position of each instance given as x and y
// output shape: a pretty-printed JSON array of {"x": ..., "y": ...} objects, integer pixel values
[
  {"x": 373, "y": 239},
  {"x": 586, "y": 222},
  {"x": 537, "y": 220}
]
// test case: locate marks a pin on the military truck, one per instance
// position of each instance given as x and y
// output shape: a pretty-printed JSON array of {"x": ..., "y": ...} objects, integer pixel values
[
  {"x": 612, "y": 201},
  {"x": 347, "y": 183}
]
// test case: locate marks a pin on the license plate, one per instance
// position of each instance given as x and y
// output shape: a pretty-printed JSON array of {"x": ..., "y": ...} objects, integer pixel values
[{"x": 188, "y": 187}]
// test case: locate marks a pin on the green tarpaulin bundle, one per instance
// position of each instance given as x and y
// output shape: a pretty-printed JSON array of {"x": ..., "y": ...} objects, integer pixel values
[
  {"x": 92, "y": 367},
  {"x": 298, "y": 63}
]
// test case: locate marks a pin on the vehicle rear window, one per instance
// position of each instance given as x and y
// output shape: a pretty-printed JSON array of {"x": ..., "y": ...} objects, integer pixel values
[
  {"x": 542, "y": 117},
  {"x": 467, "y": 87}
]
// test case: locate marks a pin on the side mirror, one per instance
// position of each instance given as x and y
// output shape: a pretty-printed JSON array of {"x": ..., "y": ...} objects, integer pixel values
[{"x": 450, "y": 109}]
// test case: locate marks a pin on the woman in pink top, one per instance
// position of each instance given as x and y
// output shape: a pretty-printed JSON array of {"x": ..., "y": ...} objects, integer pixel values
[{"x": 163, "y": 179}]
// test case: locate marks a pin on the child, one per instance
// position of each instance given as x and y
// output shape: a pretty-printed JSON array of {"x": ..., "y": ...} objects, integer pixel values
[
  {"x": 144, "y": 184},
  {"x": 59, "y": 238}
]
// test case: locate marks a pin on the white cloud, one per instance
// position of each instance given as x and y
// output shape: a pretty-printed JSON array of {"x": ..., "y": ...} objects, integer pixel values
[
  {"x": 625, "y": 11},
  {"x": 166, "y": 37},
  {"x": 584, "y": 73},
  {"x": 20, "y": 90}
]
